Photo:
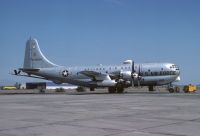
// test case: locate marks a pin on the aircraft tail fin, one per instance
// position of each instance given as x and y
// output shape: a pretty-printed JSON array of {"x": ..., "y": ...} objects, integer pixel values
[{"x": 34, "y": 58}]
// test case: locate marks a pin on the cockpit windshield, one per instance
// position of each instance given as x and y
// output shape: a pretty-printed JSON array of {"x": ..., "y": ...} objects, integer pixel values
[{"x": 174, "y": 67}]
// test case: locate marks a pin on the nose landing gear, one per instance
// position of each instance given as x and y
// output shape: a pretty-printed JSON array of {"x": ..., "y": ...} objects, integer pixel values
[{"x": 173, "y": 89}]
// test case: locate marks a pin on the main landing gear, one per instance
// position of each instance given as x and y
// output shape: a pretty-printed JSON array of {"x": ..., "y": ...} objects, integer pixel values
[
  {"x": 92, "y": 89},
  {"x": 119, "y": 89},
  {"x": 151, "y": 89}
]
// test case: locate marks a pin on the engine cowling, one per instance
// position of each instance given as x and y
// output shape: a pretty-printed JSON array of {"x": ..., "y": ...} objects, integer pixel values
[
  {"x": 57, "y": 82},
  {"x": 125, "y": 74},
  {"x": 106, "y": 83}
]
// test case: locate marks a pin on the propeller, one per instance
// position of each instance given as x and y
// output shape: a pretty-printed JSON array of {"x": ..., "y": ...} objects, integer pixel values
[
  {"x": 139, "y": 77},
  {"x": 135, "y": 75}
]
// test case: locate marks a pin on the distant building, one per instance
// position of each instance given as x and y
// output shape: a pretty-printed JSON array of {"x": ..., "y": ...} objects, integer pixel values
[
  {"x": 36, "y": 85},
  {"x": 47, "y": 85},
  {"x": 53, "y": 86}
]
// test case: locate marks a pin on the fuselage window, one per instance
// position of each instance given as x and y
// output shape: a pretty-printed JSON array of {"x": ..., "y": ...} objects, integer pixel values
[
  {"x": 168, "y": 72},
  {"x": 163, "y": 72}
]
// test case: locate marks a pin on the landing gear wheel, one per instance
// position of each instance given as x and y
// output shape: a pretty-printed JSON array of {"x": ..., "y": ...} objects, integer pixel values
[
  {"x": 120, "y": 89},
  {"x": 171, "y": 90},
  {"x": 112, "y": 89},
  {"x": 91, "y": 89}
]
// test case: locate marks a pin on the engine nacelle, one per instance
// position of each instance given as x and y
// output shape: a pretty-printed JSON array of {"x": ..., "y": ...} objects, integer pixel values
[
  {"x": 125, "y": 74},
  {"x": 57, "y": 82},
  {"x": 107, "y": 83}
]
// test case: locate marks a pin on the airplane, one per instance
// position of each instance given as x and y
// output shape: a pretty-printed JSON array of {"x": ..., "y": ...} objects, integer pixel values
[{"x": 115, "y": 77}]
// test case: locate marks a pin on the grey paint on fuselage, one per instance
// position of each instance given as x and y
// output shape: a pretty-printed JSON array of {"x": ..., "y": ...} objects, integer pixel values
[{"x": 164, "y": 75}]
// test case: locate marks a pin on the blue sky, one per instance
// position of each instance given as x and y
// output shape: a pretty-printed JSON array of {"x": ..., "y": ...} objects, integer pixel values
[{"x": 88, "y": 32}]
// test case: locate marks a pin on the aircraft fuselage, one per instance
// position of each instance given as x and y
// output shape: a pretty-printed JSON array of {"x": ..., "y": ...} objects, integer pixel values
[
  {"x": 115, "y": 77},
  {"x": 151, "y": 73}
]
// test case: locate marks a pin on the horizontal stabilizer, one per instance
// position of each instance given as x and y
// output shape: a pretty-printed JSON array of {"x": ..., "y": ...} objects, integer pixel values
[
  {"x": 29, "y": 69},
  {"x": 96, "y": 75}
]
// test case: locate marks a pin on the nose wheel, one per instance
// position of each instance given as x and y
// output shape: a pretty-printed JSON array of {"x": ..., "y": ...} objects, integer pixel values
[{"x": 173, "y": 89}]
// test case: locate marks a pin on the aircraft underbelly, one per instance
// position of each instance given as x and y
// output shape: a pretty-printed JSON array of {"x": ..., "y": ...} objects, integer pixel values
[{"x": 158, "y": 80}]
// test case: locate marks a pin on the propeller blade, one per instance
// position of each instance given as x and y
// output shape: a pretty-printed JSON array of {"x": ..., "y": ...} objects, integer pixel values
[
  {"x": 132, "y": 73},
  {"x": 139, "y": 75},
  {"x": 133, "y": 67}
]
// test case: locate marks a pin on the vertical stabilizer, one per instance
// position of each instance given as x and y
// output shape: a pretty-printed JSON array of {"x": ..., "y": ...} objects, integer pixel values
[{"x": 34, "y": 57}]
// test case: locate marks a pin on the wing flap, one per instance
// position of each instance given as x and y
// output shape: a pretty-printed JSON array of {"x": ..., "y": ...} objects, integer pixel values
[{"x": 96, "y": 75}]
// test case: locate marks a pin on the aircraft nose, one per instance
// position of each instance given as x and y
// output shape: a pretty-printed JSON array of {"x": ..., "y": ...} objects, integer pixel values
[{"x": 177, "y": 72}]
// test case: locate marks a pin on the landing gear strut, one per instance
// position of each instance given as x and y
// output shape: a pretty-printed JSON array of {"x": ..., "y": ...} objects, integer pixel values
[
  {"x": 91, "y": 89},
  {"x": 151, "y": 88},
  {"x": 112, "y": 89},
  {"x": 118, "y": 89},
  {"x": 173, "y": 89}
]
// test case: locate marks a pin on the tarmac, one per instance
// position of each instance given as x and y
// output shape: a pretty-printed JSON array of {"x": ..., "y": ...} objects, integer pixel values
[{"x": 100, "y": 114}]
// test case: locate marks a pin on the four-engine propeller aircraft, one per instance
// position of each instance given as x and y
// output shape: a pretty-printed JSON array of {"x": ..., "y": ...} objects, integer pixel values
[{"x": 115, "y": 77}]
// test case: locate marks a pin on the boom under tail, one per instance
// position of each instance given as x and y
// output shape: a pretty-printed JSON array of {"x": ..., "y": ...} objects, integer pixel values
[{"x": 34, "y": 58}]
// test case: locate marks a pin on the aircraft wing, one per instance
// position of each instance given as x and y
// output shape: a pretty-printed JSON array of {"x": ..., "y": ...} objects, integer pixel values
[{"x": 96, "y": 75}]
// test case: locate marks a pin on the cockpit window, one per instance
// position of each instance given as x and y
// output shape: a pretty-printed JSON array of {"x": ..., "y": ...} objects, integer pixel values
[{"x": 174, "y": 66}]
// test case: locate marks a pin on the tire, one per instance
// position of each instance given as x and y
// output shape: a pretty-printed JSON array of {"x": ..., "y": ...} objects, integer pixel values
[
  {"x": 171, "y": 90},
  {"x": 120, "y": 90},
  {"x": 112, "y": 90},
  {"x": 91, "y": 89},
  {"x": 151, "y": 88}
]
